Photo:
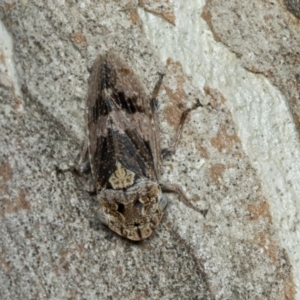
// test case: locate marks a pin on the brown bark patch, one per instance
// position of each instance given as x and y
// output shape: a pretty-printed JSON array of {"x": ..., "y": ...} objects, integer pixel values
[
  {"x": 15, "y": 205},
  {"x": 78, "y": 38},
  {"x": 224, "y": 141},
  {"x": 216, "y": 172},
  {"x": 260, "y": 211}
]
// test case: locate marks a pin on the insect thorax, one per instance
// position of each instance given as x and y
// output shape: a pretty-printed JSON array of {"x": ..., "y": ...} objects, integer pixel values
[{"x": 131, "y": 208}]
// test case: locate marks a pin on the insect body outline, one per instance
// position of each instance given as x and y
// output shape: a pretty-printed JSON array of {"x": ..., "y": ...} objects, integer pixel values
[{"x": 123, "y": 149}]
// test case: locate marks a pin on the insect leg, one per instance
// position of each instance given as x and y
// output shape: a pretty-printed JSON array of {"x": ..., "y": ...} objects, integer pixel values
[
  {"x": 84, "y": 162},
  {"x": 82, "y": 167},
  {"x": 153, "y": 101},
  {"x": 174, "y": 188},
  {"x": 88, "y": 186},
  {"x": 172, "y": 148}
]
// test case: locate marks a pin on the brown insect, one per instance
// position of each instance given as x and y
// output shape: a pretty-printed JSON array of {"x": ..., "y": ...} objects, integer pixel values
[{"x": 123, "y": 148}]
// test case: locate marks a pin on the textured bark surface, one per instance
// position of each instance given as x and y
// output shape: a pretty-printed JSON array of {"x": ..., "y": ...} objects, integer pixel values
[
  {"x": 266, "y": 38},
  {"x": 52, "y": 245}
]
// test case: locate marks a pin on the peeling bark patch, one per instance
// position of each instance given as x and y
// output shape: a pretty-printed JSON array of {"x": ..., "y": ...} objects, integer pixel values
[
  {"x": 65, "y": 259},
  {"x": 14, "y": 206},
  {"x": 262, "y": 210},
  {"x": 6, "y": 174},
  {"x": 269, "y": 247},
  {"x": 215, "y": 95},
  {"x": 216, "y": 172},
  {"x": 224, "y": 141},
  {"x": 204, "y": 152},
  {"x": 5, "y": 262},
  {"x": 134, "y": 17},
  {"x": 8, "y": 7},
  {"x": 289, "y": 288},
  {"x": 78, "y": 38},
  {"x": 173, "y": 113},
  {"x": 2, "y": 58},
  {"x": 206, "y": 16}
]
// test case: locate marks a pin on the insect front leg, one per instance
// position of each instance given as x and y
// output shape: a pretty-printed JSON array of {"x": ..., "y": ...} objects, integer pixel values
[
  {"x": 172, "y": 148},
  {"x": 174, "y": 188},
  {"x": 153, "y": 101},
  {"x": 84, "y": 162},
  {"x": 83, "y": 166}
]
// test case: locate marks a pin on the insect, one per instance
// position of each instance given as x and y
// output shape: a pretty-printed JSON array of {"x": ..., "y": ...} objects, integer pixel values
[{"x": 123, "y": 149}]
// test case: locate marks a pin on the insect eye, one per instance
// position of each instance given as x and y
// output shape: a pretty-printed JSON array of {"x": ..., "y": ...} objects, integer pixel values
[
  {"x": 163, "y": 203},
  {"x": 138, "y": 204},
  {"x": 120, "y": 208}
]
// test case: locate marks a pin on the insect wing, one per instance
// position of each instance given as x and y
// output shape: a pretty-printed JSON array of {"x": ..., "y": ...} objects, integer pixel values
[{"x": 121, "y": 123}]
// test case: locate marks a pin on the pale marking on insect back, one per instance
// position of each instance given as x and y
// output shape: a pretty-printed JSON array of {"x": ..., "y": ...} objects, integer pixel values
[{"x": 122, "y": 178}]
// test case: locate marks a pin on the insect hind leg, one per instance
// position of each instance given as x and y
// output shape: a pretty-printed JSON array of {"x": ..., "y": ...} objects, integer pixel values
[{"x": 172, "y": 148}]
